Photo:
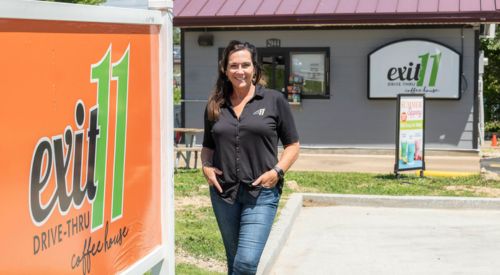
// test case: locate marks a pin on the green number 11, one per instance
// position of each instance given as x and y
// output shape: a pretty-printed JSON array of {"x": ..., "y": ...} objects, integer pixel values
[{"x": 102, "y": 73}]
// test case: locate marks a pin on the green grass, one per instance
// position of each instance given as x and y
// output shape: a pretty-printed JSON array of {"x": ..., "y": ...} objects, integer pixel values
[
  {"x": 197, "y": 233},
  {"x": 186, "y": 269},
  {"x": 377, "y": 184},
  {"x": 196, "y": 229},
  {"x": 188, "y": 182},
  {"x": 313, "y": 87}
]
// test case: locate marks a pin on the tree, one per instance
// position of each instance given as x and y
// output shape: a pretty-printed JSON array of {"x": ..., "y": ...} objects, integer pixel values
[
  {"x": 491, "y": 95},
  {"x": 177, "y": 36},
  {"x": 86, "y": 2}
]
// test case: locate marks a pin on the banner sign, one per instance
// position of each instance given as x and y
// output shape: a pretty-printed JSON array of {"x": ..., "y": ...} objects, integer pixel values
[
  {"x": 414, "y": 67},
  {"x": 410, "y": 133},
  {"x": 80, "y": 148}
]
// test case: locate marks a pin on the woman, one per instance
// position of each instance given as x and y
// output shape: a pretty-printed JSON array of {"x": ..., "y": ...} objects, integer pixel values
[{"x": 243, "y": 122}]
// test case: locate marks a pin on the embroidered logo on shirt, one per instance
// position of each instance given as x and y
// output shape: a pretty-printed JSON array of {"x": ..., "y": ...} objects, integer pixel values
[{"x": 259, "y": 112}]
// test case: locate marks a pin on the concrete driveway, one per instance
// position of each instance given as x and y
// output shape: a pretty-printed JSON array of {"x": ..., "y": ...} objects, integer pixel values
[
  {"x": 315, "y": 160},
  {"x": 385, "y": 235}
]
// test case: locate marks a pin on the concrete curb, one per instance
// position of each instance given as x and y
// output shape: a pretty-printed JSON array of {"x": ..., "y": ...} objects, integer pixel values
[
  {"x": 279, "y": 233},
  {"x": 281, "y": 230},
  {"x": 436, "y": 173},
  {"x": 403, "y": 201}
]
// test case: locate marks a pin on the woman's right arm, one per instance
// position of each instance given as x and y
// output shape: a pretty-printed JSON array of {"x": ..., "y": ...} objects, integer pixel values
[{"x": 209, "y": 171}]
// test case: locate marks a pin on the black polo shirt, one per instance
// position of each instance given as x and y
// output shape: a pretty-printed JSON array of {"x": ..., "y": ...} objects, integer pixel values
[{"x": 247, "y": 147}]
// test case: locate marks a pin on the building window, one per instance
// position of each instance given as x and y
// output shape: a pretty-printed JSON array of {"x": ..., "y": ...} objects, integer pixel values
[
  {"x": 310, "y": 67},
  {"x": 284, "y": 67}
]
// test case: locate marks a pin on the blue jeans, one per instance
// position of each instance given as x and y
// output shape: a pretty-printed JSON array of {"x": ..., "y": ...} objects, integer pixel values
[{"x": 245, "y": 227}]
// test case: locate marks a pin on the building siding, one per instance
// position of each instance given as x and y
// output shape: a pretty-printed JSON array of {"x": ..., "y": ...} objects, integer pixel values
[{"x": 348, "y": 119}]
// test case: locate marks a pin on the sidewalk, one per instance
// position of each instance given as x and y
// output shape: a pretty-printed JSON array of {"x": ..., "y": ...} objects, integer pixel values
[{"x": 381, "y": 161}]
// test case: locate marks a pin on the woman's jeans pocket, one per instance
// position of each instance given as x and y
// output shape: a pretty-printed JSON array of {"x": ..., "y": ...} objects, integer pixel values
[{"x": 269, "y": 196}]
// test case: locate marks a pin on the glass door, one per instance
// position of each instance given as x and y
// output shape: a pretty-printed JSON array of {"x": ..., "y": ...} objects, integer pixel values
[{"x": 273, "y": 68}]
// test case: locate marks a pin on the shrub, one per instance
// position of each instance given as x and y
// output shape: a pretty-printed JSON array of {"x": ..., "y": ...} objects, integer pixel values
[
  {"x": 177, "y": 95},
  {"x": 492, "y": 126}
]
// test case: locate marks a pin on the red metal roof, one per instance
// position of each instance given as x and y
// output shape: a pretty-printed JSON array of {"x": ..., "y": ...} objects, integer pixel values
[{"x": 201, "y": 13}]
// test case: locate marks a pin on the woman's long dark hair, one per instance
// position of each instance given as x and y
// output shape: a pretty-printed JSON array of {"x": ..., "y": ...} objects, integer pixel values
[{"x": 223, "y": 87}]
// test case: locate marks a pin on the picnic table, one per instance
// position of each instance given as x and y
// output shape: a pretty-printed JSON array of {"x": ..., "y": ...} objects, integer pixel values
[{"x": 188, "y": 148}]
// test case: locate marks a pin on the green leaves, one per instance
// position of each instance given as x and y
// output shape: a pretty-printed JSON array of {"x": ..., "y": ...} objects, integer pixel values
[
  {"x": 177, "y": 36},
  {"x": 491, "y": 48},
  {"x": 177, "y": 95},
  {"x": 492, "y": 126}
]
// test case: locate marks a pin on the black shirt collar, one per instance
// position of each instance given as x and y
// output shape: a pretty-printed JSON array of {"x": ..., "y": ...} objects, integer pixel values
[{"x": 259, "y": 93}]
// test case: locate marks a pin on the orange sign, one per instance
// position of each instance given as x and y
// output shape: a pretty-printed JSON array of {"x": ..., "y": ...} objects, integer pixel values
[{"x": 79, "y": 146}]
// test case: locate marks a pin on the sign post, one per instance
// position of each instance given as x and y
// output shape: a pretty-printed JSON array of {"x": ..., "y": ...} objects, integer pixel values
[
  {"x": 87, "y": 183},
  {"x": 410, "y": 133}
]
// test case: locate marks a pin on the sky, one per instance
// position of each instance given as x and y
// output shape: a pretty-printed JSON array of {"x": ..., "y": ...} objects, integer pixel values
[{"x": 141, "y": 4}]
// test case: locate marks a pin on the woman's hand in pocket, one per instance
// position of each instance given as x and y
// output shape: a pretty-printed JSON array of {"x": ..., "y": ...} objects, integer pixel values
[
  {"x": 267, "y": 180},
  {"x": 210, "y": 174}
]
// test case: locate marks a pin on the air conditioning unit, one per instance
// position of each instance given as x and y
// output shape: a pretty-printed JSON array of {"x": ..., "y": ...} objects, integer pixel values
[{"x": 487, "y": 31}]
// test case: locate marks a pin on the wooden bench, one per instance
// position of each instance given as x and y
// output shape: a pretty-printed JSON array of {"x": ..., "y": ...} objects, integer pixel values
[{"x": 185, "y": 153}]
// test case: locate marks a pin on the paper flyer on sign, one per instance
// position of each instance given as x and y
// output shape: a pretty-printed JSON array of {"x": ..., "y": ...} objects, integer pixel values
[{"x": 411, "y": 130}]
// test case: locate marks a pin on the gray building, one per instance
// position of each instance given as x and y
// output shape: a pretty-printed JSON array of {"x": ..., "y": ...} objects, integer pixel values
[{"x": 323, "y": 49}]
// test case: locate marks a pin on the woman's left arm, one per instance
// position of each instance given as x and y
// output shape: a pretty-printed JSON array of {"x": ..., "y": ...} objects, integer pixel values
[{"x": 288, "y": 157}]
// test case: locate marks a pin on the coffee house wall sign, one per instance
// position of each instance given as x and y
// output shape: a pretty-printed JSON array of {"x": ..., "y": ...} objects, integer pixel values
[{"x": 414, "y": 66}]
